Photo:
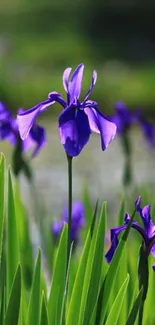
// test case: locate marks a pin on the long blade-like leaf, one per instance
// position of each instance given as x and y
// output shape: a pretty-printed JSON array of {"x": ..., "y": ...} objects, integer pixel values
[
  {"x": 2, "y": 189},
  {"x": 93, "y": 271},
  {"x": 74, "y": 306},
  {"x": 33, "y": 316},
  {"x": 58, "y": 280},
  {"x": 116, "y": 307},
  {"x": 44, "y": 311},
  {"x": 12, "y": 253},
  {"x": 12, "y": 312},
  {"x": 134, "y": 311}
]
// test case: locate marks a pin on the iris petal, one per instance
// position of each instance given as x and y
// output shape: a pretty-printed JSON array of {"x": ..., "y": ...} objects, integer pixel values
[
  {"x": 114, "y": 242},
  {"x": 100, "y": 124},
  {"x": 27, "y": 119},
  {"x": 94, "y": 79},
  {"x": 65, "y": 78},
  {"x": 74, "y": 86},
  {"x": 74, "y": 130}
]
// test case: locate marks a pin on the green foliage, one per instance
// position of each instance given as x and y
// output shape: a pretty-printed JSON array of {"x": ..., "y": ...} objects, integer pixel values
[
  {"x": 90, "y": 292},
  {"x": 12, "y": 311}
]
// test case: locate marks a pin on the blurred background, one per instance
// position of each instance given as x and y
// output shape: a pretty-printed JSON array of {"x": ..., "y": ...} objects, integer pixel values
[{"x": 38, "y": 40}]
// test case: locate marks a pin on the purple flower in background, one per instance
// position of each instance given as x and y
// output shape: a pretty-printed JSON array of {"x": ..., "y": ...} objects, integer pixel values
[
  {"x": 147, "y": 231},
  {"x": 78, "y": 119},
  {"x": 9, "y": 131},
  {"x": 78, "y": 220},
  {"x": 147, "y": 128},
  {"x": 122, "y": 118}
]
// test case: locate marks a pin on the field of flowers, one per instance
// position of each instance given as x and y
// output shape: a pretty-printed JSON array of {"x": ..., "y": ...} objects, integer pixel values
[{"x": 95, "y": 276}]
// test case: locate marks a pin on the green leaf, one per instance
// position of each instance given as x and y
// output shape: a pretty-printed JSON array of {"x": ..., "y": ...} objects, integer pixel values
[
  {"x": 74, "y": 306},
  {"x": 58, "y": 280},
  {"x": 2, "y": 190},
  {"x": 110, "y": 278},
  {"x": 117, "y": 305},
  {"x": 12, "y": 253},
  {"x": 121, "y": 212},
  {"x": 12, "y": 312},
  {"x": 44, "y": 311},
  {"x": 135, "y": 309},
  {"x": 93, "y": 271},
  {"x": 26, "y": 250},
  {"x": 33, "y": 316}
]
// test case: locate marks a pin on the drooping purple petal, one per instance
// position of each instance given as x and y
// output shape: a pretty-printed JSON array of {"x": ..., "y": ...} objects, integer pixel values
[
  {"x": 37, "y": 138},
  {"x": 100, "y": 124},
  {"x": 74, "y": 130},
  {"x": 93, "y": 119},
  {"x": 65, "y": 78},
  {"x": 114, "y": 233},
  {"x": 75, "y": 83},
  {"x": 26, "y": 120},
  {"x": 94, "y": 79}
]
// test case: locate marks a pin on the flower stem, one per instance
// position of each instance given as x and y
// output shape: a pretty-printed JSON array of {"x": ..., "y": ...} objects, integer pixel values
[{"x": 69, "y": 206}]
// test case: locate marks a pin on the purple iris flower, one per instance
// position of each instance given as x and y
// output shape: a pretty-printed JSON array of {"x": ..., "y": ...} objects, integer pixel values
[
  {"x": 77, "y": 120},
  {"x": 78, "y": 220},
  {"x": 122, "y": 118},
  {"x": 147, "y": 231},
  {"x": 9, "y": 131},
  {"x": 147, "y": 128}
]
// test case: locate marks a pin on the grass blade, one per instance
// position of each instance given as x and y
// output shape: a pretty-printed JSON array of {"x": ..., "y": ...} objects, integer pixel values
[
  {"x": 12, "y": 312},
  {"x": 134, "y": 311},
  {"x": 12, "y": 254},
  {"x": 33, "y": 316},
  {"x": 44, "y": 311},
  {"x": 58, "y": 282},
  {"x": 116, "y": 307},
  {"x": 74, "y": 306},
  {"x": 2, "y": 190}
]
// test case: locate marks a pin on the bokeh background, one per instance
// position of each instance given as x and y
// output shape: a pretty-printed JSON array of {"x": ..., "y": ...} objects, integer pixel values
[{"x": 38, "y": 40}]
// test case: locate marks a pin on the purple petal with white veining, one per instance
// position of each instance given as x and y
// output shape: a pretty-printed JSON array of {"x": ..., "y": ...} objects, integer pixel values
[
  {"x": 74, "y": 130},
  {"x": 65, "y": 78},
  {"x": 75, "y": 83},
  {"x": 94, "y": 79}
]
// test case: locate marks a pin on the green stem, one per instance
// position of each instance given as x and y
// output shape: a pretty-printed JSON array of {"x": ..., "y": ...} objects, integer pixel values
[{"x": 69, "y": 206}]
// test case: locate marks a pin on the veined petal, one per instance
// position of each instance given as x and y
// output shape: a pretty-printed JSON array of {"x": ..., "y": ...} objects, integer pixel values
[
  {"x": 65, "y": 78},
  {"x": 94, "y": 79},
  {"x": 100, "y": 124},
  {"x": 75, "y": 83},
  {"x": 74, "y": 130},
  {"x": 92, "y": 118},
  {"x": 26, "y": 120}
]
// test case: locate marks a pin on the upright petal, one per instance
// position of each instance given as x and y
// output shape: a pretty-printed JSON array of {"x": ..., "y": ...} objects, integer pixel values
[
  {"x": 93, "y": 82},
  {"x": 75, "y": 83},
  {"x": 100, "y": 124},
  {"x": 74, "y": 130},
  {"x": 65, "y": 78},
  {"x": 26, "y": 120}
]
